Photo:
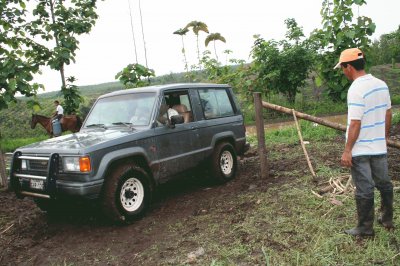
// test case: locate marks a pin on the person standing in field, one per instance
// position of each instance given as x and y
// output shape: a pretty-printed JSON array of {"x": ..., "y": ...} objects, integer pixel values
[
  {"x": 369, "y": 118},
  {"x": 59, "y": 113}
]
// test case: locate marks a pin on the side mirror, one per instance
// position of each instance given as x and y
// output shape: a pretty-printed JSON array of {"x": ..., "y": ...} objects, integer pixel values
[{"x": 176, "y": 119}]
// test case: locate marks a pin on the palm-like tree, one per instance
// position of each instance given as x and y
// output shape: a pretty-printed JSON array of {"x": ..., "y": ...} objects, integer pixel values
[
  {"x": 215, "y": 37},
  {"x": 197, "y": 26},
  {"x": 183, "y": 32}
]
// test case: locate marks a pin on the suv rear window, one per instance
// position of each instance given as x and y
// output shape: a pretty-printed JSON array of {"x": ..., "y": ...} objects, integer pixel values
[{"x": 215, "y": 103}]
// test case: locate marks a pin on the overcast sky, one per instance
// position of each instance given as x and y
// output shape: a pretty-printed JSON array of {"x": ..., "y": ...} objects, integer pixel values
[{"x": 109, "y": 47}]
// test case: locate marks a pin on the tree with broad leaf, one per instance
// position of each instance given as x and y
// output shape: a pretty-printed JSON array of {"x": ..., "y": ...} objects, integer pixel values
[
  {"x": 196, "y": 27},
  {"x": 135, "y": 75},
  {"x": 281, "y": 66},
  {"x": 339, "y": 32},
  {"x": 20, "y": 55},
  {"x": 214, "y": 37},
  {"x": 72, "y": 97},
  {"x": 387, "y": 49},
  {"x": 25, "y": 42},
  {"x": 60, "y": 22},
  {"x": 182, "y": 32}
]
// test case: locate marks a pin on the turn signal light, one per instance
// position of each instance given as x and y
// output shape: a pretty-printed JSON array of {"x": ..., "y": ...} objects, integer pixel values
[{"x": 84, "y": 164}]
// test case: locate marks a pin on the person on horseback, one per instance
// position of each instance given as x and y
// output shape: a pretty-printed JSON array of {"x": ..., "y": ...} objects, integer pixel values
[{"x": 59, "y": 113}]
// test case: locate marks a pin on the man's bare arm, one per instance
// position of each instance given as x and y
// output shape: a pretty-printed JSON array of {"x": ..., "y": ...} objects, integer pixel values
[
  {"x": 388, "y": 122},
  {"x": 352, "y": 136}
]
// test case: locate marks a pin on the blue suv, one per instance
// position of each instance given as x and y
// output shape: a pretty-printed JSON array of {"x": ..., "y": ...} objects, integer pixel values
[{"x": 132, "y": 141}]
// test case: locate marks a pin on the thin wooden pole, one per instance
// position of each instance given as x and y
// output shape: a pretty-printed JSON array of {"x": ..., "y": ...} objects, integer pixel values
[
  {"x": 261, "y": 135},
  {"x": 3, "y": 175},
  {"x": 303, "y": 146}
]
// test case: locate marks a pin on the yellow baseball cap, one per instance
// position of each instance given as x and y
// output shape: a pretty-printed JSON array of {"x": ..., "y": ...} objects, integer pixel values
[{"x": 349, "y": 55}]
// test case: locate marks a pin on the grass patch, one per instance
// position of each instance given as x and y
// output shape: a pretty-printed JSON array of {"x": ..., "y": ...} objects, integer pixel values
[
  {"x": 395, "y": 99},
  {"x": 9, "y": 145},
  {"x": 396, "y": 118},
  {"x": 289, "y": 135}
]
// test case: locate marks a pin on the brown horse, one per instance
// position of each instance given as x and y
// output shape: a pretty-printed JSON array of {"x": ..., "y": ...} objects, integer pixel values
[{"x": 68, "y": 122}]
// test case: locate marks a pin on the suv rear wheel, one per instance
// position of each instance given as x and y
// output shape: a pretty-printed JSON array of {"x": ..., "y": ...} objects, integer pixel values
[
  {"x": 224, "y": 162},
  {"x": 127, "y": 193}
]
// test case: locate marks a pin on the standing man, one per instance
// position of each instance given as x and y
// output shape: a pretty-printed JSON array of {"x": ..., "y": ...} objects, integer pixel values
[
  {"x": 59, "y": 110},
  {"x": 368, "y": 123}
]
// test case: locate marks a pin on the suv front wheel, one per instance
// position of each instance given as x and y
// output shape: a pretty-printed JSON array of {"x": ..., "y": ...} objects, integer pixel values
[
  {"x": 127, "y": 193},
  {"x": 224, "y": 162}
]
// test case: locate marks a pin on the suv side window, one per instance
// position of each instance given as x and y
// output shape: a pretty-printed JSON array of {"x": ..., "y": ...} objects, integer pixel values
[
  {"x": 215, "y": 103},
  {"x": 178, "y": 101}
]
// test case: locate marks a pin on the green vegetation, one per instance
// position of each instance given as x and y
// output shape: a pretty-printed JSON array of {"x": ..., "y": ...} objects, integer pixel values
[
  {"x": 182, "y": 32},
  {"x": 135, "y": 75},
  {"x": 340, "y": 30},
  {"x": 396, "y": 118},
  {"x": 196, "y": 27},
  {"x": 41, "y": 34},
  {"x": 9, "y": 145},
  {"x": 289, "y": 134},
  {"x": 214, "y": 37},
  {"x": 282, "y": 67},
  {"x": 387, "y": 49}
]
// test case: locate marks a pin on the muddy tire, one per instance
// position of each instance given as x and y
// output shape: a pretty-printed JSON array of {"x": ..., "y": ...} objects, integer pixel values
[
  {"x": 224, "y": 162},
  {"x": 127, "y": 193}
]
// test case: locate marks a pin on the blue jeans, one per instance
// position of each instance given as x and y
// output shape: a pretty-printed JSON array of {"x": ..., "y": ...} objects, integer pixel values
[{"x": 368, "y": 172}]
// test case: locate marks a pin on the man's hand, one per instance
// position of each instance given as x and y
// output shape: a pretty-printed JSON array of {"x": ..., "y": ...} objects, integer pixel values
[
  {"x": 352, "y": 135},
  {"x": 346, "y": 159}
]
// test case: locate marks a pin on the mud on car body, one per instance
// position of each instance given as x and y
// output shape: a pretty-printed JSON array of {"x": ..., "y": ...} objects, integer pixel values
[{"x": 129, "y": 144}]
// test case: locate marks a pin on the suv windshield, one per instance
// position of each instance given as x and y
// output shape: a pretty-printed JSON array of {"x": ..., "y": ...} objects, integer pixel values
[{"x": 122, "y": 110}]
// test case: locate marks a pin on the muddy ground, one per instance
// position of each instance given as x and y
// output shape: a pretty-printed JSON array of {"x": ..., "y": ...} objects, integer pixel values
[{"x": 80, "y": 236}]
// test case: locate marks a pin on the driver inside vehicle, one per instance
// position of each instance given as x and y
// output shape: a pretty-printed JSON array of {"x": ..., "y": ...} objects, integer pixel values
[
  {"x": 141, "y": 116},
  {"x": 167, "y": 109}
]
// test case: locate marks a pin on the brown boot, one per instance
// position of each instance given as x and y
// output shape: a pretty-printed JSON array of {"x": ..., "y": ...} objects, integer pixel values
[
  {"x": 365, "y": 213},
  {"x": 386, "y": 218}
]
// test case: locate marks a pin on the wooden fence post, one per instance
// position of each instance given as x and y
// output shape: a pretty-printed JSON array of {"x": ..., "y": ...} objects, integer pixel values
[
  {"x": 3, "y": 175},
  {"x": 261, "y": 135}
]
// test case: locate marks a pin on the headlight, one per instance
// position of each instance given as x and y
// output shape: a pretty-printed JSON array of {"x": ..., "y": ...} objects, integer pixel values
[
  {"x": 24, "y": 165},
  {"x": 76, "y": 164}
]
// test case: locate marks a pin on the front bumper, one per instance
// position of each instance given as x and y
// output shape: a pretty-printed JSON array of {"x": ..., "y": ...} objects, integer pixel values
[{"x": 48, "y": 184}]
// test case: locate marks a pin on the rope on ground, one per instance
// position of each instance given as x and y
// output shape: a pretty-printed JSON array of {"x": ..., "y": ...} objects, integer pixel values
[
  {"x": 334, "y": 189},
  {"x": 336, "y": 186}
]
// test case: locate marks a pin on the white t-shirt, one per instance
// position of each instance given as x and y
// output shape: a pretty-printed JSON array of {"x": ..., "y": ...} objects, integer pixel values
[
  {"x": 60, "y": 110},
  {"x": 172, "y": 112},
  {"x": 368, "y": 99}
]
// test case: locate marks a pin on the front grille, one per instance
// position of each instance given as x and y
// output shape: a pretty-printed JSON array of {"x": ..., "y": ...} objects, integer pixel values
[{"x": 38, "y": 165}]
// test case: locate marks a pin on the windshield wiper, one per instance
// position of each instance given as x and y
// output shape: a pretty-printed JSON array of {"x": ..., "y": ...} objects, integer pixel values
[
  {"x": 97, "y": 125},
  {"x": 127, "y": 124},
  {"x": 122, "y": 123}
]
